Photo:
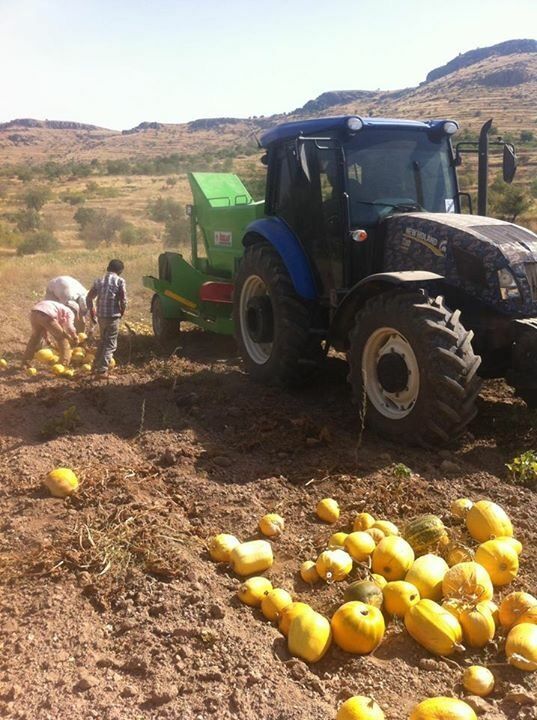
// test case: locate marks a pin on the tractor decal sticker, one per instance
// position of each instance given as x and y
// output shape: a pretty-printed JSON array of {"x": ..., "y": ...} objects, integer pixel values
[
  {"x": 223, "y": 239},
  {"x": 450, "y": 205},
  {"x": 438, "y": 247}
]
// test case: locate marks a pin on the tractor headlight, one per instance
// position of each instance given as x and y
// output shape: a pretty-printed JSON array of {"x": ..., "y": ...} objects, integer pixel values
[
  {"x": 508, "y": 285},
  {"x": 354, "y": 124},
  {"x": 450, "y": 127}
]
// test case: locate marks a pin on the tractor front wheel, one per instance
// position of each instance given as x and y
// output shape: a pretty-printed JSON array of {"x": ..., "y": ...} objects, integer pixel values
[
  {"x": 165, "y": 330},
  {"x": 412, "y": 368},
  {"x": 272, "y": 322}
]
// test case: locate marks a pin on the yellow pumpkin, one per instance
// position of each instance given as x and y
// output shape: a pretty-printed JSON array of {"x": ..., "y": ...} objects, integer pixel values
[
  {"x": 461, "y": 507},
  {"x": 458, "y": 553},
  {"x": 530, "y": 616},
  {"x": 61, "y": 482},
  {"x": 309, "y": 636},
  {"x": 387, "y": 527},
  {"x": 513, "y": 607},
  {"x": 3, "y": 364},
  {"x": 328, "y": 510},
  {"x": 334, "y": 565},
  {"x": 486, "y": 520},
  {"x": 251, "y": 557},
  {"x": 31, "y": 372},
  {"x": 272, "y": 525},
  {"x": 360, "y": 707},
  {"x": 467, "y": 581},
  {"x": 85, "y": 369},
  {"x": 434, "y": 628},
  {"x": 376, "y": 534},
  {"x": 399, "y": 596},
  {"x": 427, "y": 573},
  {"x": 337, "y": 540},
  {"x": 478, "y": 680},
  {"x": 499, "y": 559},
  {"x": 513, "y": 542},
  {"x": 442, "y": 708},
  {"x": 494, "y": 611},
  {"x": 379, "y": 580},
  {"x": 58, "y": 369},
  {"x": 359, "y": 545},
  {"x": 478, "y": 626},
  {"x": 358, "y": 628},
  {"x": 308, "y": 572},
  {"x": 44, "y": 356},
  {"x": 220, "y": 547},
  {"x": 288, "y": 613},
  {"x": 392, "y": 558},
  {"x": 273, "y": 603},
  {"x": 253, "y": 590},
  {"x": 363, "y": 521},
  {"x": 365, "y": 591},
  {"x": 521, "y": 647}
]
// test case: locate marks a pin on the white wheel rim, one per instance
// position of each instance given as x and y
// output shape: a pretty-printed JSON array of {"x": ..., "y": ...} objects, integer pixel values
[
  {"x": 258, "y": 352},
  {"x": 393, "y": 405}
]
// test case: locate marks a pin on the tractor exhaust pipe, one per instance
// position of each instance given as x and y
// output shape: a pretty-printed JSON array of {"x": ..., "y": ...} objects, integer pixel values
[{"x": 483, "y": 168}]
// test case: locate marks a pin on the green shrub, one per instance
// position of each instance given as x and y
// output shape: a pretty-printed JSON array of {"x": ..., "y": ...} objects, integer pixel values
[
  {"x": 102, "y": 228},
  {"x": 73, "y": 198},
  {"x": 526, "y": 136},
  {"x": 35, "y": 197},
  {"x": 176, "y": 232},
  {"x": 27, "y": 220},
  {"x": 39, "y": 241},
  {"x": 132, "y": 235},
  {"x": 9, "y": 238},
  {"x": 85, "y": 215},
  {"x": 165, "y": 210},
  {"x": 523, "y": 469}
]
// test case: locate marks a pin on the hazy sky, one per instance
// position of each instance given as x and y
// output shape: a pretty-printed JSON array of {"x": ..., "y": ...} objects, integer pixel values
[{"x": 115, "y": 63}]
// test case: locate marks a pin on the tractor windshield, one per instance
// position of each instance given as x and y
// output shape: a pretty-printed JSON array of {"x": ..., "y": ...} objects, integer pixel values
[{"x": 398, "y": 170}]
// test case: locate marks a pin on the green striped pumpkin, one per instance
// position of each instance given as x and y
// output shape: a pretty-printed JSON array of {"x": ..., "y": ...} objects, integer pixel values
[{"x": 425, "y": 533}]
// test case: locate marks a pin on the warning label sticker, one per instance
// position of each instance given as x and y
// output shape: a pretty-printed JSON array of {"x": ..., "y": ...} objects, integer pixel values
[{"x": 223, "y": 239}]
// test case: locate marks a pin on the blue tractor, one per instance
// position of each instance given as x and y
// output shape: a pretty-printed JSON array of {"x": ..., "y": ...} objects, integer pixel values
[{"x": 361, "y": 245}]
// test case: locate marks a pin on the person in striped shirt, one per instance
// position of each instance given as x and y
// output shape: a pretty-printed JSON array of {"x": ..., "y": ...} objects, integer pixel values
[
  {"x": 51, "y": 318},
  {"x": 109, "y": 293}
]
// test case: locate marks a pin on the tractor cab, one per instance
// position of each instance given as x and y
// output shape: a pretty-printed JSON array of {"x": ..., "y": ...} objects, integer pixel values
[{"x": 333, "y": 181}]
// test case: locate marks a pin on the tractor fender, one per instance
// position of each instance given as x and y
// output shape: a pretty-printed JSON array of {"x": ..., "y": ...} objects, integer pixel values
[
  {"x": 276, "y": 232},
  {"x": 370, "y": 286}
]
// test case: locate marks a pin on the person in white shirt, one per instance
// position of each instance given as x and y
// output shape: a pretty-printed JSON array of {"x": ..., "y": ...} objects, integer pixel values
[{"x": 69, "y": 291}]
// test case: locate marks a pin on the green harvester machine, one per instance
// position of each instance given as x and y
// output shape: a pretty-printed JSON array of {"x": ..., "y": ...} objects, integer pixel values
[{"x": 200, "y": 290}]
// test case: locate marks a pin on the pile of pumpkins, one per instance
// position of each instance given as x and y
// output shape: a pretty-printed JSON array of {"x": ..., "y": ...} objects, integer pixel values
[
  {"x": 441, "y": 589},
  {"x": 81, "y": 358}
]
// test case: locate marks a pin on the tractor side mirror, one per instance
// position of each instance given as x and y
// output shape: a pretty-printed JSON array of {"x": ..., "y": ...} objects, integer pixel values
[{"x": 509, "y": 163}]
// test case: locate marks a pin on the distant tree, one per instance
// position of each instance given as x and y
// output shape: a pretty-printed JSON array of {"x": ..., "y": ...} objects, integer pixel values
[
  {"x": 39, "y": 241},
  {"x": 102, "y": 228},
  {"x": 73, "y": 198},
  {"x": 24, "y": 173},
  {"x": 35, "y": 197},
  {"x": 526, "y": 136},
  {"x": 176, "y": 232},
  {"x": 507, "y": 202},
  {"x": 85, "y": 215},
  {"x": 165, "y": 209},
  {"x": 9, "y": 238},
  {"x": 132, "y": 235},
  {"x": 27, "y": 220}
]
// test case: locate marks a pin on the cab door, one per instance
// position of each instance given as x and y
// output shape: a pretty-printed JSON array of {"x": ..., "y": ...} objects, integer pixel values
[{"x": 319, "y": 208}]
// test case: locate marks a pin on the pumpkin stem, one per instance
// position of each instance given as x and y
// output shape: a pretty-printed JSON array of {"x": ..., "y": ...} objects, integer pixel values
[{"x": 520, "y": 659}]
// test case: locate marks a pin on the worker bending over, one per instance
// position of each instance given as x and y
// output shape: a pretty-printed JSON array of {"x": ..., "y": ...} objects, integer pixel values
[
  {"x": 49, "y": 317},
  {"x": 69, "y": 291}
]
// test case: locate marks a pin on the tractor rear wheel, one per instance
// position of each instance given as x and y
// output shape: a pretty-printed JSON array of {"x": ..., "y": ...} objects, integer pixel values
[
  {"x": 272, "y": 323},
  {"x": 166, "y": 330},
  {"x": 412, "y": 368}
]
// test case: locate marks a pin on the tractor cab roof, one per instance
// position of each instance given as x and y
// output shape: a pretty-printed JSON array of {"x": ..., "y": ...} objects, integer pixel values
[{"x": 340, "y": 124}]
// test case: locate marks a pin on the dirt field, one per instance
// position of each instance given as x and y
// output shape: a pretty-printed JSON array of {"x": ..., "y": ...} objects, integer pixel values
[{"x": 110, "y": 606}]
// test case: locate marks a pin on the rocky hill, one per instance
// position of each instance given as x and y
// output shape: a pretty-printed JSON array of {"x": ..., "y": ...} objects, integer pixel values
[{"x": 499, "y": 82}]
